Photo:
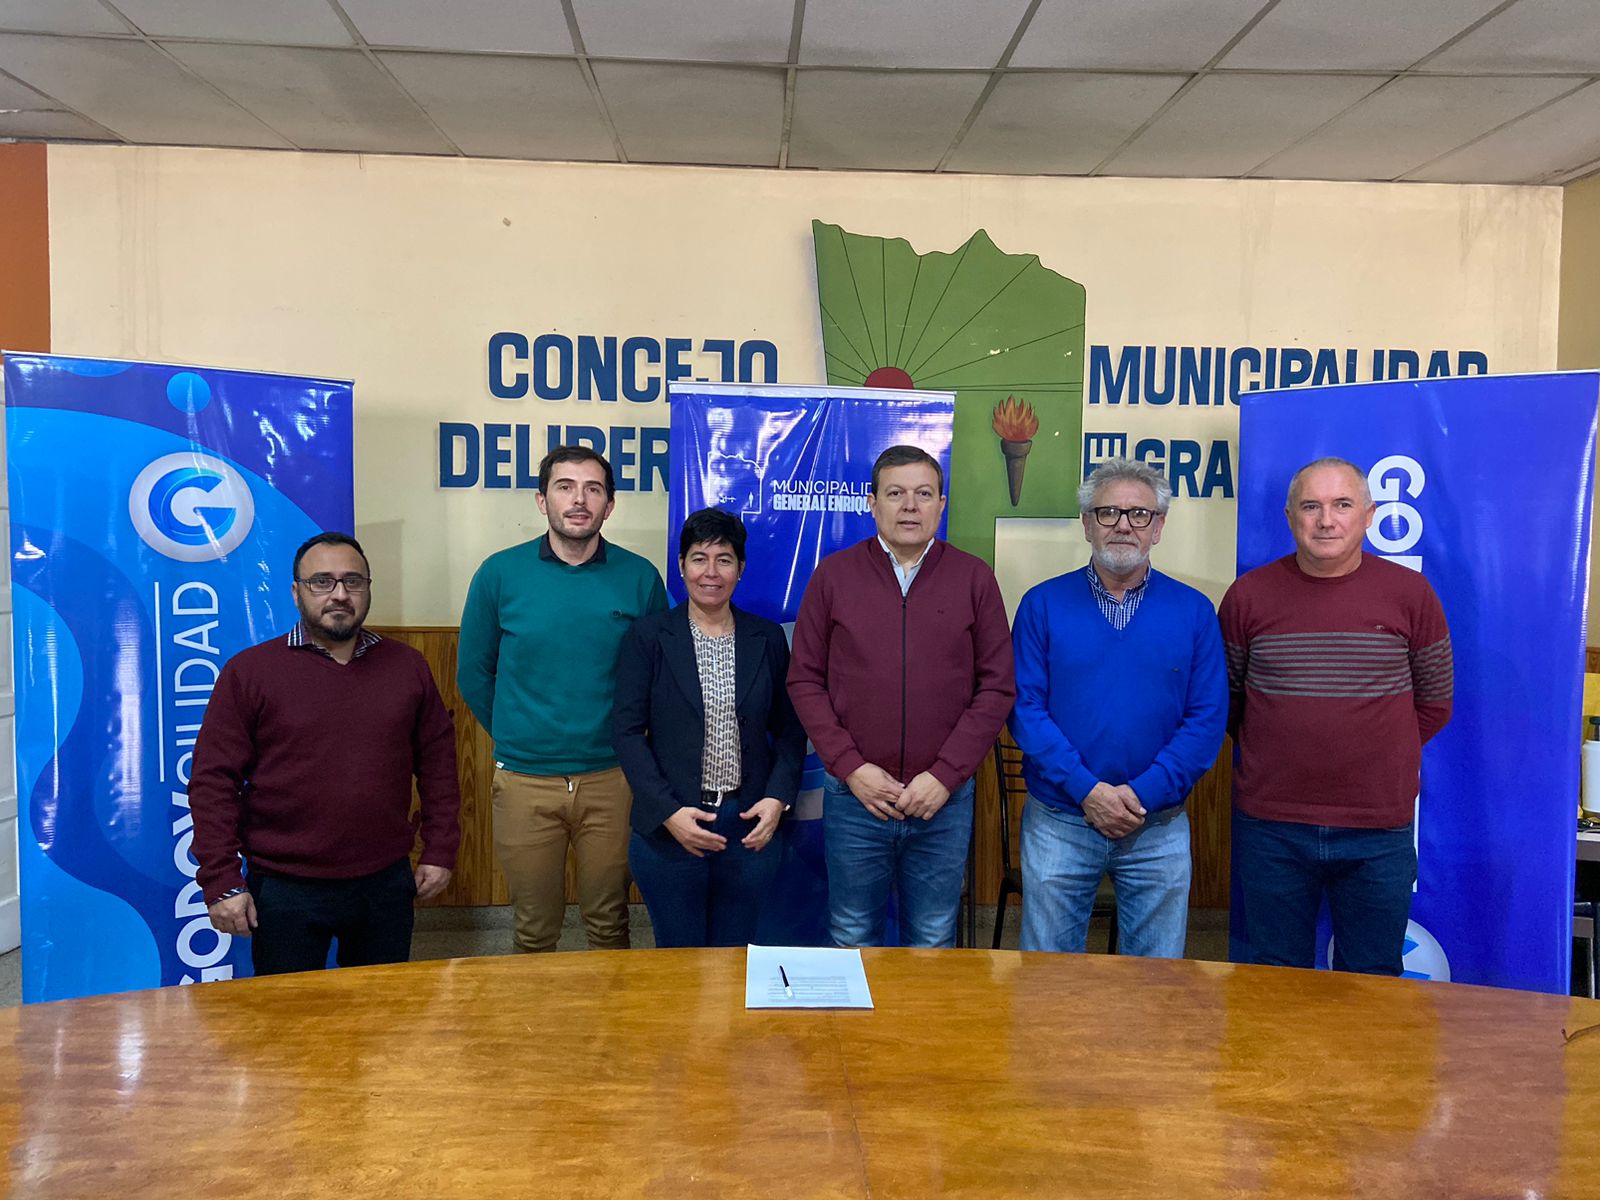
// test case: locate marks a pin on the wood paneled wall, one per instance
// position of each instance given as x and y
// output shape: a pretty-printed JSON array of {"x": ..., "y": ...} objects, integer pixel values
[{"x": 478, "y": 879}]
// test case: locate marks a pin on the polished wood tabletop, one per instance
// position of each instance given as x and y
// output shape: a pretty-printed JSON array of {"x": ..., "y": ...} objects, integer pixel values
[{"x": 640, "y": 1073}]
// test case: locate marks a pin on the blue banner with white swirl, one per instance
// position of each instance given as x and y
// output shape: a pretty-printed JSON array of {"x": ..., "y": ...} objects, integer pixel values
[
  {"x": 795, "y": 463},
  {"x": 1485, "y": 484},
  {"x": 155, "y": 511}
]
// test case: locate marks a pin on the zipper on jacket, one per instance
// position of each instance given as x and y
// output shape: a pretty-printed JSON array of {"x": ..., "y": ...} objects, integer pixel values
[{"x": 904, "y": 672}]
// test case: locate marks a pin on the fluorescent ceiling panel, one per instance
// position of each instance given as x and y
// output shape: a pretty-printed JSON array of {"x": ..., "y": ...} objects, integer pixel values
[
  {"x": 1059, "y": 124},
  {"x": 58, "y": 16},
  {"x": 131, "y": 89},
  {"x": 507, "y": 26},
  {"x": 1531, "y": 35},
  {"x": 1352, "y": 35},
  {"x": 903, "y": 120},
  {"x": 1548, "y": 144},
  {"x": 319, "y": 99},
  {"x": 1226, "y": 125},
  {"x": 1097, "y": 35},
  {"x": 281, "y": 22},
  {"x": 699, "y": 30},
  {"x": 731, "y": 116},
  {"x": 496, "y": 106},
  {"x": 908, "y": 33},
  {"x": 1413, "y": 120}
]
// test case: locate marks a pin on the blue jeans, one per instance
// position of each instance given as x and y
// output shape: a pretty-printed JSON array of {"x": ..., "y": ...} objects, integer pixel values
[
  {"x": 711, "y": 901},
  {"x": 1285, "y": 869},
  {"x": 1063, "y": 860},
  {"x": 922, "y": 862}
]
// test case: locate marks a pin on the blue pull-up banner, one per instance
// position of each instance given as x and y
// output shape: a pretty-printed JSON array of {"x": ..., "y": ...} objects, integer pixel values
[
  {"x": 795, "y": 463},
  {"x": 155, "y": 512},
  {"x": 1485, "y": 484}
]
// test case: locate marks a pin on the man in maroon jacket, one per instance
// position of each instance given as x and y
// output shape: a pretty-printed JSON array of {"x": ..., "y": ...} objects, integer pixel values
[
  {"x": 901, "y": 675},
  {"x": 304, "y": 766}
]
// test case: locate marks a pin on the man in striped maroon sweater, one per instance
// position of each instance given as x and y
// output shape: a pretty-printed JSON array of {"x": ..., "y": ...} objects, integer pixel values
[{"x": 1339, "y": 670}]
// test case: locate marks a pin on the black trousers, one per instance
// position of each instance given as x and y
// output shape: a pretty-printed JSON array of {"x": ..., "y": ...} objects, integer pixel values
[{"x": 297, "y": 919}]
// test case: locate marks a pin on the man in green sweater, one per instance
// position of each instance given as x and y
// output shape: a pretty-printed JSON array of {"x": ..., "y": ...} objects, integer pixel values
[{"x": 538, "y": 656}]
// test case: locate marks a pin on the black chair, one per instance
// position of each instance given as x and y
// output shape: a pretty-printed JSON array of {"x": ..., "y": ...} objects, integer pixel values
[
  {"x": 1008, "y": 774},
  {"x": 1586, "y": 924}
]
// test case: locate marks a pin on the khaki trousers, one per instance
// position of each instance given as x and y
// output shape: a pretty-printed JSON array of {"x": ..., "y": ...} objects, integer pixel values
[{"x": 535, "y": 818}]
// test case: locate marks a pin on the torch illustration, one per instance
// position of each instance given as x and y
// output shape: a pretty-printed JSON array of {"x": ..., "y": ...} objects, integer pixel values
[{"x": 1015, "y": 424}]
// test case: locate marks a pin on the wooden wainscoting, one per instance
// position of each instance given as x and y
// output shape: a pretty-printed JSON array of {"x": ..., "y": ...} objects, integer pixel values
[{"x": 478, "y": 879}]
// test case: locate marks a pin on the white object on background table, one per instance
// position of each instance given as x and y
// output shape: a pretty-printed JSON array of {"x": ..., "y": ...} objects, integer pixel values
[{"x": 804, "y": 977}]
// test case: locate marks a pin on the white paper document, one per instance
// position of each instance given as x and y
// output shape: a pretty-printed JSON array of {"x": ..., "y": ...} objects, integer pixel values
[{"x": 803, "y": 977}]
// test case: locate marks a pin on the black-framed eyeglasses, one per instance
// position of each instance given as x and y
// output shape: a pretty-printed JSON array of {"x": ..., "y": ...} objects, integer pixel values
[
  {"x": 321, "y": 585},
  {"x": 1138, "y": 518}
]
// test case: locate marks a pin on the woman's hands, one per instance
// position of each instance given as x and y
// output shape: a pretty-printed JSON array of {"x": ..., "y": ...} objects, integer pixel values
[
  {"x": 685, "y": 825},
  {"x": 766, "y": 813}
]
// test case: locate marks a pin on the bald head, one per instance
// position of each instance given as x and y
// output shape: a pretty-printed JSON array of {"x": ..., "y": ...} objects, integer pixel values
[{"x": 1358, "y": 479}]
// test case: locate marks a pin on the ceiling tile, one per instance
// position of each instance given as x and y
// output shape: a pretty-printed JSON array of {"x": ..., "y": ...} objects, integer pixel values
[
  {"x": 507, "y": 26},
  {"x": 701, "y": 30},
  {"x": 1179, "y": 35},
  {"x": 1532, "y": 35},
  {"x": 1549, "y": 144},
  {"x": 52, "y": 126},
  {"x": 1039, "y": 124},
  {"x": 281, "y": 22},
  {"x": 932, "y": 33},
  {"x": 319, "y": 99},
  {"x": 58, "y": 16},
  {"x": 1406, "y": 124},
  {"x": 16, "y": 95},
  {"x": 682, "y": 114},
  {"x": 498, "y": 106},
  {"x": 1353, "y": 35},
  {"x": 1229, "y": 124},
  {"x": 131, "y": 89},
  {"x": 904, "y": 120}
]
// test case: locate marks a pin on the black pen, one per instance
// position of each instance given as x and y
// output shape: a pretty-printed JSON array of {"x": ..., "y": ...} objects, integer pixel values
[{"x": 784, "y": 975}]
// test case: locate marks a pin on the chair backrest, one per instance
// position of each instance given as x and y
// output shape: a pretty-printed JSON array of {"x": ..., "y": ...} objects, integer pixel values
[{"x": 1009, "y": 787}]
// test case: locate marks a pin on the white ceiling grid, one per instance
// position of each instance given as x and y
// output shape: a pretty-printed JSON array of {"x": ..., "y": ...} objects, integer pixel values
[{"x": 1490, "y": 91}]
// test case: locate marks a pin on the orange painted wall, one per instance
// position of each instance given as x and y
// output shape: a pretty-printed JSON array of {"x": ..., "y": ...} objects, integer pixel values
[{"x": 24, "y": 249}]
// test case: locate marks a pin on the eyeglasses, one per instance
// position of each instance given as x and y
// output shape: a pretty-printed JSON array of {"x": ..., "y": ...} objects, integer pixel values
[
  {"x": 321, "y": 585},
  {"x": 1138, "y": 518}
]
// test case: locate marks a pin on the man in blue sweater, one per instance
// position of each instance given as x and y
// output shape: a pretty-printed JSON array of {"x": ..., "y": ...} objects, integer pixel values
[{"x": 1122, "y": 698}]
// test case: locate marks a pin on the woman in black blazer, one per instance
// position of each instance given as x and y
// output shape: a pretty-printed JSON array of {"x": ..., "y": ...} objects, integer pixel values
[{"x": 710, "y": 745}]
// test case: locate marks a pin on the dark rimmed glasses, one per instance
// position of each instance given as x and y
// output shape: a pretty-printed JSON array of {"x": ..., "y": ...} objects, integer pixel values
[
  {"x": 1138, "y": 518},
  {"x": 321, "y": 585}
]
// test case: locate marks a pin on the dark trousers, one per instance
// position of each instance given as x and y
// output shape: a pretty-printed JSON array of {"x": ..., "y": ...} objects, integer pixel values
[
  {"x": 1285, "y": 871},
  {"x": 710, "y": 901},
  {"x": 297, "y": 919}
]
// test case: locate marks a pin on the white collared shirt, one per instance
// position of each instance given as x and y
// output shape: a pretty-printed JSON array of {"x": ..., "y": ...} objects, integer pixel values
[{"x": 905, "y": 574}]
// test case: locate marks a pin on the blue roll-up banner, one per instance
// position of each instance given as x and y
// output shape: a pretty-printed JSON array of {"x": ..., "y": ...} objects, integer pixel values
[
  {"x": 796, "y": 464},
  {"x": 1484, "y": 484},
  {"x": 155, "y": 511}
]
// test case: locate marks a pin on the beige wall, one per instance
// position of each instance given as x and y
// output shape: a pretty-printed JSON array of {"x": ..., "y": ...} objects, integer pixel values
[
  {"x": 1578, "y": 347},
  {"x": 396, "y": 271}
]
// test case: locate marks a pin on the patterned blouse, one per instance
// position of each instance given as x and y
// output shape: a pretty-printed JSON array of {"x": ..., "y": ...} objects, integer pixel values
[{"x": 719, "y": 765}]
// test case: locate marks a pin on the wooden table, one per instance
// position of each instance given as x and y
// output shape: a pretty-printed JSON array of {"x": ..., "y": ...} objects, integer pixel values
[{"x": 641, "y": 1074}]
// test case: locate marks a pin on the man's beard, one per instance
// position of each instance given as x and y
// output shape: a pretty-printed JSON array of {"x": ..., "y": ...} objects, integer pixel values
[{"x": 1120, "y": 560}]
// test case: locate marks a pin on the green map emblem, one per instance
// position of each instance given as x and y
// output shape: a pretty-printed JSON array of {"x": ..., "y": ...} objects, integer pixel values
[{"x": 1002, "y": 331}]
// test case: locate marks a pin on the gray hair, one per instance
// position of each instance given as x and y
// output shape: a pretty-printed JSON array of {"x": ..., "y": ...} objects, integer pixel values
[
  {"x": 1115, "y": 470},
  {"x": 1331, "y": 460}
]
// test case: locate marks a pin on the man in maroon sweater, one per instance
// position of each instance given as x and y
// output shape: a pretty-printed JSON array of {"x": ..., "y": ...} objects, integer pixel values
[
  {"x": 304, "y": 766},
  {"x": 1339, "y": 670},
  {"x": 901, "y": 674}
]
